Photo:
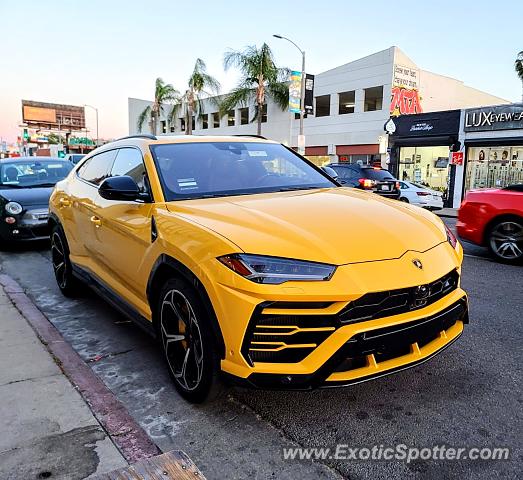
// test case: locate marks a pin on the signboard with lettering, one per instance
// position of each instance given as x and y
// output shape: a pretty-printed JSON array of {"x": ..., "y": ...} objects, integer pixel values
[
  {"x": 405, "y": 98},
  {"x": 457, "y": 158},
  {"x": 499, "y": 117}
]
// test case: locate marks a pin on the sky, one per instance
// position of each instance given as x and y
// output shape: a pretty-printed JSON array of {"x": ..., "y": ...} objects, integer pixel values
[{"x": 102, "y": 52}]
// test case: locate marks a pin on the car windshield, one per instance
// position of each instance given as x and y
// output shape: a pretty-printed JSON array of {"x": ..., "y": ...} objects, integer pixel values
[
  {"x": 377, "y": 174},
  {"x": 33, "y": 173},
  {"x": 211, "y": 169}
]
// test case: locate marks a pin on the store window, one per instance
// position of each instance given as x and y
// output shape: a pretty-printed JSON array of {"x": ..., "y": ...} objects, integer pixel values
[
  {"x": 373, "y": 99},
  {"x": 319, "y": 160},
  {"x": 216, "y": 120},
  {"x": 346, "y": 102},
  {"x": 323, "y": 106},
  {"x": 264, "y": 113},
  {"x": 425, "y": 165},
  {"x": 493, "y": 166},
  {"x": 230, "y": 118},
  {"x": 244, "y": 116}
]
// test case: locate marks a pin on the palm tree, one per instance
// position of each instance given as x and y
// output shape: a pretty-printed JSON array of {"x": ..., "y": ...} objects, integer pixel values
[
  {"x": 260, "y": 79},
  {"x": 200, "y": 82},
  {"x": 164, "y": 93},
  {"x": 518, "y": 65}
]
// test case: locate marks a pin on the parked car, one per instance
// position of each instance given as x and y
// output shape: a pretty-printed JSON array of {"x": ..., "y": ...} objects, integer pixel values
[
  {"x": 493, "y": 217},
  {"x": 375, "y": 179},
  {"x": 74, "y": 158},
  {"x": 26, "y": 184},
  {"x": 231, "y": 251},
  {"x": 420, "y": 195}
]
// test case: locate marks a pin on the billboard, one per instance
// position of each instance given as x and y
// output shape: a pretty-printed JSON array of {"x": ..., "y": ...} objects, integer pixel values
[
  {"x": 53, "y": 116},
  {"x": 405, "y": 98}
]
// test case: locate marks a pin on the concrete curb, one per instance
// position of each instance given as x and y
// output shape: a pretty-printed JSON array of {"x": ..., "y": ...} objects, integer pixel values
[{"x": 127, "y": 435}]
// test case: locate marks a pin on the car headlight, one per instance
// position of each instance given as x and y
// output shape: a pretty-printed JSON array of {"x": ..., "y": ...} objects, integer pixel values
[
  {"x": 13, "y": 208},
  {"x": 451, "y": 238},
  {"x": 275, "y": 270}
]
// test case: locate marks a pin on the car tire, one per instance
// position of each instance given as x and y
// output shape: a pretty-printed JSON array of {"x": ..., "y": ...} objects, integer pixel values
[
  {"x": 404, "y": 199},
  {"x": 505, "y": 240},
  {"x": 187, "y": 342},
  {"x": 68, "y": 284}
]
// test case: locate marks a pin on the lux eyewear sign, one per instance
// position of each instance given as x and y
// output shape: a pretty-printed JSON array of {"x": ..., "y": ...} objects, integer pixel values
[{"x": 502, "y": 117}]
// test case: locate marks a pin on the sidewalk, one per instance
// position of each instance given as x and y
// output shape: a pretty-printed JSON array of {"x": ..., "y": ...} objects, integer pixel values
[
  {"x": 447, "y": 212},
  {"x": 48, "y": 431}
]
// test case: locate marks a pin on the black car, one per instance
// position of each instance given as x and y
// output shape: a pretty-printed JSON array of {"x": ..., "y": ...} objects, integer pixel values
[
  {"x": 26, "y": 184},
  {"x": 375, "y": 179}
]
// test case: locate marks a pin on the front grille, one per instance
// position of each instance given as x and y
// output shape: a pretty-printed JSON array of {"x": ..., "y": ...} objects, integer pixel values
[
  {"x": 397, "y": 340},
  {"x": 286, "y": 338},
  {"x": 290, "y": 338},
  {"x": 393, "y": 302}
]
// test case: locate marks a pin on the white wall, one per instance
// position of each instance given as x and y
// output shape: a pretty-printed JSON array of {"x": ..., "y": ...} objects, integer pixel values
[{"x": 359, "y": 128}]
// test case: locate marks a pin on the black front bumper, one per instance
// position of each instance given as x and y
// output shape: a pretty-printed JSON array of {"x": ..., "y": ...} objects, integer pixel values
[{"x": 384, "y": 343}]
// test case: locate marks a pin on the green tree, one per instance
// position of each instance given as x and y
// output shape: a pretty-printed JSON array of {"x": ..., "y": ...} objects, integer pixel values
[
  {"x": 164, "y": 93},
  {"x": 200, "y": 83},
  {"x": 260, "y": 79},
  {"x": 518, "y": 65}
]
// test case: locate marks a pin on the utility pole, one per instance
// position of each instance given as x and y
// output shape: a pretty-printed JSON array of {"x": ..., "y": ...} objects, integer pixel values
[{"x": 301, "y": 137}]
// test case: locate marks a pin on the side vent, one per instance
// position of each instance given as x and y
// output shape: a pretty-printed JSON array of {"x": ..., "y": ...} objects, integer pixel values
[{"x": 154, "y": 230}]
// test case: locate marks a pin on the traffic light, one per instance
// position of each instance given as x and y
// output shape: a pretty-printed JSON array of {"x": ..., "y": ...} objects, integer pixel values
[
  {"x": 26, "y": 134},
  {"x": 61, "y": 154}
]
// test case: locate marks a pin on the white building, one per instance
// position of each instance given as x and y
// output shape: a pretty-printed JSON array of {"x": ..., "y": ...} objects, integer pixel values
[{"x": 352, "y": 104}]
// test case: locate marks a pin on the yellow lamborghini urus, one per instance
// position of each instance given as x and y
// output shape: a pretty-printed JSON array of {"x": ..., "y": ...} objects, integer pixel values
[{"x": 247, "y": 261}]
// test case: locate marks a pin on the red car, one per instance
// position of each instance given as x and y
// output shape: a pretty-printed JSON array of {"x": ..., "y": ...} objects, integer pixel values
[{"x": 493, "y": 218}]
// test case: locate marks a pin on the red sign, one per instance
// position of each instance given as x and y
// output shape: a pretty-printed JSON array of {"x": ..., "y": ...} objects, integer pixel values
[
  {"x": 457, "y": 158},
  {"x": 405, "y": 102}
]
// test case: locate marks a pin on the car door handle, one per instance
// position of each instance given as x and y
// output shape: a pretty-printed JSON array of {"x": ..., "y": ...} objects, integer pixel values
[
  {"x": 96, "y": 221},
  {"x": 65, "y": 202}
]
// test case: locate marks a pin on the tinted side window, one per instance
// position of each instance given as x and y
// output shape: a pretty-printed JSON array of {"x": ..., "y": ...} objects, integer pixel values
[
  {"x": 343, "y": 172},
  {"x": 96, "y": 169},
  {"x": 129, "y": 162}
]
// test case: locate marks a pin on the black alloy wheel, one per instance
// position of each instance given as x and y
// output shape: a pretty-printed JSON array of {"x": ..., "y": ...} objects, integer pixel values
[
  {"x": 63, "y": 271},
  {"x": 187, "y": 342}
]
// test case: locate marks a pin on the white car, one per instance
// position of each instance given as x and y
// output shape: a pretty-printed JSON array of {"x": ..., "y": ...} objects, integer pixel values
[{"x": 421, "y": 196}]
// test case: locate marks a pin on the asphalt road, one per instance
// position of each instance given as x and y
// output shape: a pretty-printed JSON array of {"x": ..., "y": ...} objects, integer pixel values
[{"x": 469, "y": 396}]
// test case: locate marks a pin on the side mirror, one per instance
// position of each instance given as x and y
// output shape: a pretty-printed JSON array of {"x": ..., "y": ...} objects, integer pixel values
[
  {"x": 121, "y": 188},
  {"x": 330, "y": 172}
]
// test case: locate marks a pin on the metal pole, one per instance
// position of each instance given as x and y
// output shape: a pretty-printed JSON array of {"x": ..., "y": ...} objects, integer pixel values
[
  {"x": 96, "y": 127},
  {"x": 301, "y": 139},
  {"x": 301, "y": 136}
]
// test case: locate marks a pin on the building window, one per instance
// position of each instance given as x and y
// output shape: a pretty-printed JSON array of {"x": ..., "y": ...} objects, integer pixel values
[
  {"x": 323, "y": 106},
  {"x": 215, "y": 120},
  {"x": 297, "y": 116},
  {"x": 373, "y": 99},
  {"x": 182, "y": 124},
  {"x": 172, "y": 128},
  {"x": 230, "y": 118},
  {"x": 193, "y": 123},
  {"x": 244, "y": 116},
  {"x": 163, "y": 126},
  {"x": 264, "y": 113},
  {"x": 205, "y": 121},
  {"x": 346, "y": 102}
]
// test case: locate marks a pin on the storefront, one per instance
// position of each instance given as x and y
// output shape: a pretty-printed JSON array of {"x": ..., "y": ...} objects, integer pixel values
[
  {"x": 493, "y": 138},
  {"x": 420, "y": 147}
]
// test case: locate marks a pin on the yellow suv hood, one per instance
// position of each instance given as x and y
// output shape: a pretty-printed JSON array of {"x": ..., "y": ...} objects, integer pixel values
[{"x": 335, "y": 225}]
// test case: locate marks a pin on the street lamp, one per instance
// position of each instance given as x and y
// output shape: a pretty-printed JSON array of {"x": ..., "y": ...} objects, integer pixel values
[
  {"x": 301, "y": 137},
  {"x": 96, "y": 110}
]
